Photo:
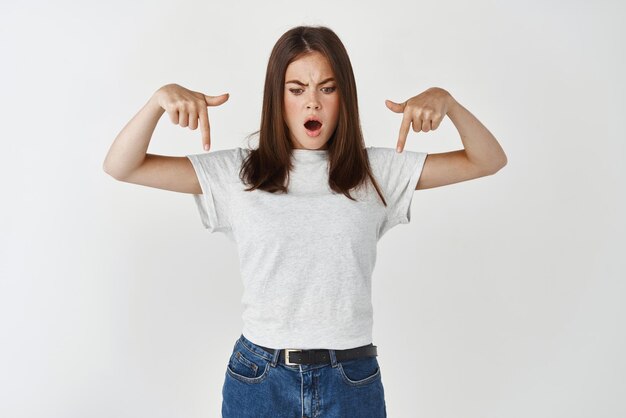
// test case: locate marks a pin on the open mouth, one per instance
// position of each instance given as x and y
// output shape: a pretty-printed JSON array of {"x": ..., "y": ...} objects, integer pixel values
[{"x": 313, "y": 125}]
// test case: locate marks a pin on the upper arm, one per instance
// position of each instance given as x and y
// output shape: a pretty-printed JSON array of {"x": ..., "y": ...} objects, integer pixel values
[
  {"x": 445, "y": 168},
  {"x": 166, "y": 172}
]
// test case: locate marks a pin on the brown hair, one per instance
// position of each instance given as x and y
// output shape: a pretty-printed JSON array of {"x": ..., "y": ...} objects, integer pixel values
[{"x": 267, "y": 168}]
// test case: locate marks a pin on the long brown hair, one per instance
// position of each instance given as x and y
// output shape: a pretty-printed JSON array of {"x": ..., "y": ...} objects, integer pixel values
[{"x": 267, "y": 168}]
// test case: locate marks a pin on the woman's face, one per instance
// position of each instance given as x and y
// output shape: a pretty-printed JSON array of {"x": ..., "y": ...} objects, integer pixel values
[{"x": 310, "y": 91}]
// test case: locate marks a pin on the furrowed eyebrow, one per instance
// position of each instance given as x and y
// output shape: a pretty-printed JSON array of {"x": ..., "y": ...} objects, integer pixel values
[{"x": 302, "y": 84}]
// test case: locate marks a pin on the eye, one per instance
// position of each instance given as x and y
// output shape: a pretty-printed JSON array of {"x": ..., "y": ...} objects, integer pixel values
[{"x": 328, "y": 90}]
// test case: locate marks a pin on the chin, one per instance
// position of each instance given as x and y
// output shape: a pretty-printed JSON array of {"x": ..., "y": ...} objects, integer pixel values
[{"x": 311, "y": 144}]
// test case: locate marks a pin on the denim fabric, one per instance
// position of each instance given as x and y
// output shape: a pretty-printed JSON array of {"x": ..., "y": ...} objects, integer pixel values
[{"x": 257, "y": 386}]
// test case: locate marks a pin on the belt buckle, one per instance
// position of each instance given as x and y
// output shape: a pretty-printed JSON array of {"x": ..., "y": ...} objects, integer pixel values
[{"x": 287, "y": 351}]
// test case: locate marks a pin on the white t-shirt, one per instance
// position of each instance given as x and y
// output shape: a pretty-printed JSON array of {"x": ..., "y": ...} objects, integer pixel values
[{"x": 306, "y": 257}]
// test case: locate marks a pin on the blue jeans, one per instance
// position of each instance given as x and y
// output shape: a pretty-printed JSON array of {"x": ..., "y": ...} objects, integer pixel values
[{"x": 257, "y": 386}]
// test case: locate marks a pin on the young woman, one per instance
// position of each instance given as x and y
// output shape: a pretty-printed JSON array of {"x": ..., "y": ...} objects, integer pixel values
[{"x": 306, "y": 209}]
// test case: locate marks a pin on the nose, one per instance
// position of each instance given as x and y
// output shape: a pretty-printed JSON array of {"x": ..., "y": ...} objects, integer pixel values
[{"x": 313, "y": 101}]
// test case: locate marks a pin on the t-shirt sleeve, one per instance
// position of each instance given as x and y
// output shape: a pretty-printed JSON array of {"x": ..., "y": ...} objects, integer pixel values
[
  {"x": 218, "y": 174},
  {"x": 397, "y": 175}
]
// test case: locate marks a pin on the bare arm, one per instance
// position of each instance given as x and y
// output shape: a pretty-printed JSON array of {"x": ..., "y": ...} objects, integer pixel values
[
  {"x": 482, "y": 154},
  {"x": 481, "y": 147},
  {"x": 128, "y": 151},
  {"x": 127, "y": 159}
]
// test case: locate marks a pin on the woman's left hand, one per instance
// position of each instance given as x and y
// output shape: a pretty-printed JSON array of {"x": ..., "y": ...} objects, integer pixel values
[{"x": 425, "y": 111}]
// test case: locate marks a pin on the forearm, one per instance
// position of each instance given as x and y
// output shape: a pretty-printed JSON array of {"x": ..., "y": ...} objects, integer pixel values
[
  {"x": 481, "y": 147},
  {"x": 129, "y": 148}
]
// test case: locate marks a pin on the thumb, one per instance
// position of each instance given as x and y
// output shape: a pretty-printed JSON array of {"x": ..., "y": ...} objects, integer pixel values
[
  {"x": 216, "y": 100},
  {"x": 395, "y": 107}
]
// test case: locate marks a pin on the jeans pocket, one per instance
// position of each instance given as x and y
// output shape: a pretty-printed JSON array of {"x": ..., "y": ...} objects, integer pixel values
[
  {"x": 360, "y": 371},
  {"x": 246, "y": 366}
]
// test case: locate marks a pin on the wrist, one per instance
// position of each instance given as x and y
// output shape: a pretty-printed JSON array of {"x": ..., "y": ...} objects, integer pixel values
[
  {"x": 451, "y": 104},
  {"x": 154, "y": 103}
]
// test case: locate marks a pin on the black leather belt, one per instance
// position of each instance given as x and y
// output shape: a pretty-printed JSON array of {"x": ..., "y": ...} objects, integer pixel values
[{"x": 291, "y": 357}]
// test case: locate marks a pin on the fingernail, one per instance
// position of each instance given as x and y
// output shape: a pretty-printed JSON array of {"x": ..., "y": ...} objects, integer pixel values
[
  {"x": 206, "y": 147},
  {"x": 398, "y": 149}
]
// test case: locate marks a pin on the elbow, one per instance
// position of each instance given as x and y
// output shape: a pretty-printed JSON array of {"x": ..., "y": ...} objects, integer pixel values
[
  {"x": 492, "y": 168},
  {"x": 110, "y": 172},
  {"x": 106, "y": 169},
  {"x": 503, "y": 161},
  {"x": 499, "y": 166}
]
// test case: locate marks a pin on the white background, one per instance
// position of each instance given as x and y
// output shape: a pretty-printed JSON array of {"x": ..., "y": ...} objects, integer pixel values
[{"x": 502, "y": 298}]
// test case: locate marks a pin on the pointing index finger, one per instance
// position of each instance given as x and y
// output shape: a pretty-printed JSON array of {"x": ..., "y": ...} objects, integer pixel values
[
  {"x": 404, "y": 131},
  {"x": 205, "y": 127}
]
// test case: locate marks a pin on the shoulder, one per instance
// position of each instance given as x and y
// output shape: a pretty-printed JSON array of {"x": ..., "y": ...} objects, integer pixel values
[
  {"x": 224, "y": 156},
  {"x": 376, "y": 151},
  {"x": 223, "y": 153},
  {"x": 386, "y": 152},
  {"x": 224, "y": 163},
  {"x": 381, "y": 156},
  {"x": 377, "y": 154}
]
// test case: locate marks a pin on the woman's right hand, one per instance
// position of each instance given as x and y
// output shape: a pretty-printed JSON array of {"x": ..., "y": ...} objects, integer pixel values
[{"x": 185, "y": 107}]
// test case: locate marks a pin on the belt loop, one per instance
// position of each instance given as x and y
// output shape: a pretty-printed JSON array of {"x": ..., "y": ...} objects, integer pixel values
[
  {"x": 275, "y": 357},
  {"x": 333, "y": 358}
]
